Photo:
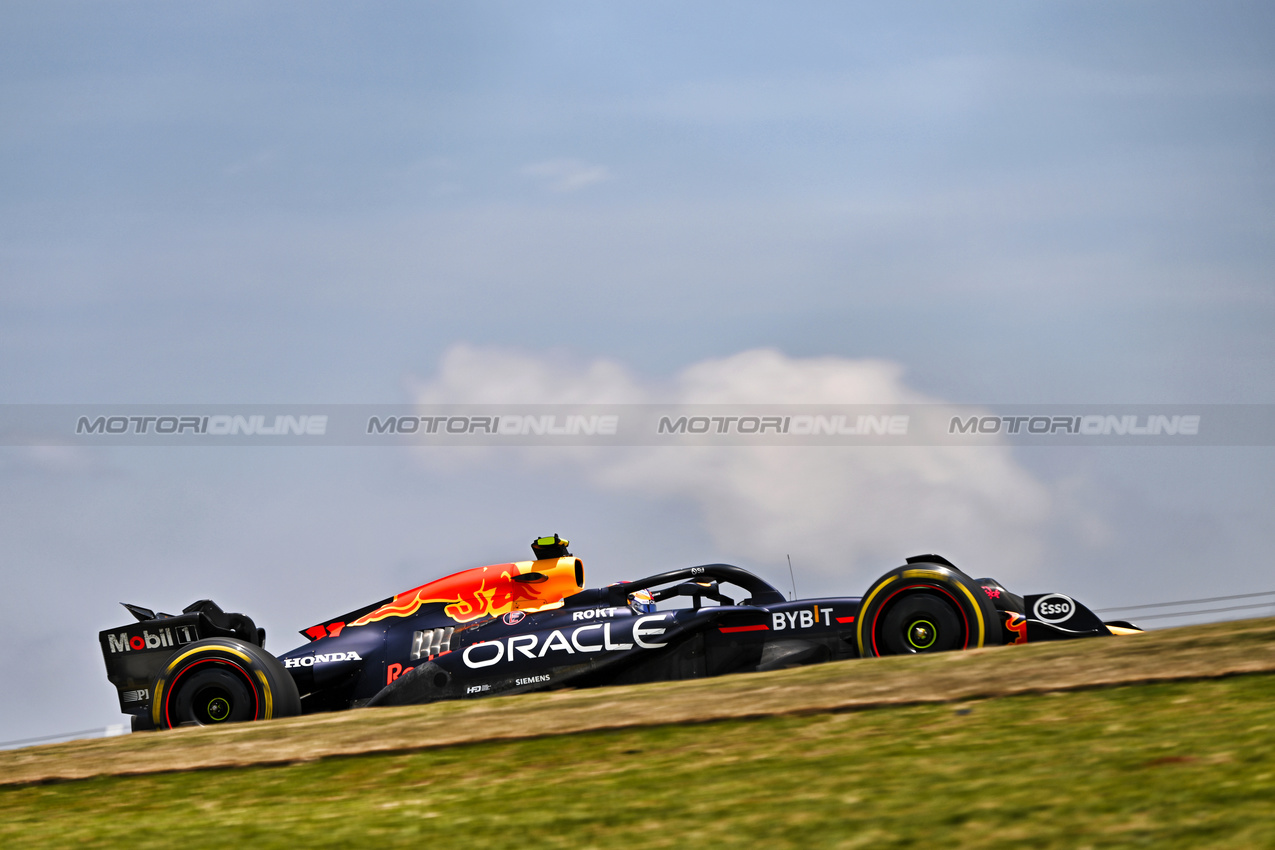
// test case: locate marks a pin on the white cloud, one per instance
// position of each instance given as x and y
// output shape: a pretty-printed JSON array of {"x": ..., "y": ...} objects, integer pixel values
[
  {"x": 567, "y": 175},
  {"x": 839, "y": 511}
]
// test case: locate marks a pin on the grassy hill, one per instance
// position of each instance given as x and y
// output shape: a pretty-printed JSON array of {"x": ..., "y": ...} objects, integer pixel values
[{"x": 1154, "y": 740}]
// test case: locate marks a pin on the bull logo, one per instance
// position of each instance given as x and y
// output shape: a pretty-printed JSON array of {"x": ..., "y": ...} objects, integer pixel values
[{"x": 485, "y": 591}]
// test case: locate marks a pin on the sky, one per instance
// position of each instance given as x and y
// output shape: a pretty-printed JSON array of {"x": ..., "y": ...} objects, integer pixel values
[{"x": 977, "y": 203}]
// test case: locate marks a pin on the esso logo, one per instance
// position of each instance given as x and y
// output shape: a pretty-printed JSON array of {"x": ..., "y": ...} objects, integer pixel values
[{"x": 1054, "y": 608}]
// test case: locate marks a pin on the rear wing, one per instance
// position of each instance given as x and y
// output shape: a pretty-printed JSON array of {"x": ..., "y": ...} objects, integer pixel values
[{"x": 134, "y": 653}]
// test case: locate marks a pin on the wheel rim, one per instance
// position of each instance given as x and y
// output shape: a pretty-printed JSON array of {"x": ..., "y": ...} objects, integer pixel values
[
  {"x": 918, "y": 619},
  {"x": 218, "y": 709},
  {"x": 921, "y": 634},
  {"x": 216, "y": 693},
  {"x": 212, "y": 705}
]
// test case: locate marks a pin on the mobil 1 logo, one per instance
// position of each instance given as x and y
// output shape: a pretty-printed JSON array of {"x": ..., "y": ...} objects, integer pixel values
[{"x": 141, "y": 640}]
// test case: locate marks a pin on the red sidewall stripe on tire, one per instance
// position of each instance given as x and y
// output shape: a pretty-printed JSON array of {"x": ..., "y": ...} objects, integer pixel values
[
  {"x": 172, "y": 686},
  {"x": 877, "y": 616}
]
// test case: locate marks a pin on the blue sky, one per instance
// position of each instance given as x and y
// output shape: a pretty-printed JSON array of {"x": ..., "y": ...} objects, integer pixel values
[{"x": 317, "y": 202}]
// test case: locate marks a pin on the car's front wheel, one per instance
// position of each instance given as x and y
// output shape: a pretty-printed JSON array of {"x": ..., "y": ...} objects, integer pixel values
[
  {"x": 925, "y": 607},
  {"x": 920, "y": 622}
]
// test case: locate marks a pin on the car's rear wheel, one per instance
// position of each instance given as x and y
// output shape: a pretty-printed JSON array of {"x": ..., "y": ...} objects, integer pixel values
[
  {"x": 222, "y": 680},
  {"x": 217, "y": 695}
]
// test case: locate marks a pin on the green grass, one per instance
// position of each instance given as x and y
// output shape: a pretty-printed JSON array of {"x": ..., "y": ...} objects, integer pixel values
[{"x": 1188, "y": 764}]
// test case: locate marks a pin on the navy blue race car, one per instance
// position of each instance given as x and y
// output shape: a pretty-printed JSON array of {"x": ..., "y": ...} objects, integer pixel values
[{"x": 532, "y": 625}]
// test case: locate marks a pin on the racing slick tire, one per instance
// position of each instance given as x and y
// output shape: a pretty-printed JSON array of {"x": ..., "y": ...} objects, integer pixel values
[
  {"x": 222, "y": 680},
  {"x": 925, "y": 608}
]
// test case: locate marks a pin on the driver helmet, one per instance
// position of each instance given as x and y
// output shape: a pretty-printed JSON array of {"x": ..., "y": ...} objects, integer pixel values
[{"x": 642, "y": 602}]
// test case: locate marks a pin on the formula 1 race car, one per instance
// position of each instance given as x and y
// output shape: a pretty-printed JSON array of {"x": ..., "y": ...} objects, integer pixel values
[{"x": 532, "y": 625}]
